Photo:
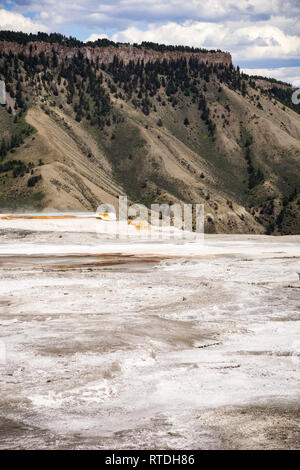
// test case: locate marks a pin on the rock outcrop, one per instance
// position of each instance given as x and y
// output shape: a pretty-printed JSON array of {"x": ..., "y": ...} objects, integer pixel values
[{"x": 106, "y": 54}]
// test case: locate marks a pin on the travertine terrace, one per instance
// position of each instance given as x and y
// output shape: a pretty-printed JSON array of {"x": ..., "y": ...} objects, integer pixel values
[{"x": 142, "y": 345}]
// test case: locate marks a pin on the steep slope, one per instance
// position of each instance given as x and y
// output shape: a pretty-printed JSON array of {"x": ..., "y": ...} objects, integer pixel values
[
  {"x": 175, "y": 128},
  {"x": 75, "y": 174}
]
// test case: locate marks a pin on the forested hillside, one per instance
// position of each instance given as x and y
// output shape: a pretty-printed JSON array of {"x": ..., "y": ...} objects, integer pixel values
[{"x": 86, "y": 122}]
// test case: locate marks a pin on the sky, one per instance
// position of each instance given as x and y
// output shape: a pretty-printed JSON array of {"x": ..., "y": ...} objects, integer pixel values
[{"x": 263, "y": 36}]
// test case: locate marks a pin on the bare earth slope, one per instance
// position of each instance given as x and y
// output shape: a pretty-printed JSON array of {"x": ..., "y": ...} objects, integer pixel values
[{"x": 71, "y": 179}]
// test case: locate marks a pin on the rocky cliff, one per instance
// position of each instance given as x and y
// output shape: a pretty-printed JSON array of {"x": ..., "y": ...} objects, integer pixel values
[{"x": 106, "y": 54}]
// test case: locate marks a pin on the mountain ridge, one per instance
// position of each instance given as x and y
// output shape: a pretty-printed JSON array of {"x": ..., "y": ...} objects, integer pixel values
[
  {"x": 184, "y": 129},
  {"x": 107, "y": 53}
]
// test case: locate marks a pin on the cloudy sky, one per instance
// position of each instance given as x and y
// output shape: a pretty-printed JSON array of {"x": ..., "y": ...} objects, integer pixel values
[{"x": 263, "y": 36}]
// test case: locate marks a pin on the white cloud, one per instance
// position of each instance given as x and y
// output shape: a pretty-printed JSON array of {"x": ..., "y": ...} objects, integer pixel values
[
  {"x": 245, "y": 40},
  {"x": 189, "y": 34},
  {"x": 17, "y": 22},
  {"x": 94, "y": 37},
  {"x": 266, "y": 42},
  {"x": 112, "y": 14},
  {"x": 175, "y": 10}
]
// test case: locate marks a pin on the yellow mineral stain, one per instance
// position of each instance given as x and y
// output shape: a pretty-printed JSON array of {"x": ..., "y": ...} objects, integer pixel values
[
  {"x": 105, "y": 216},
  {"x": 35, "y": 217},
  {"x": 140, "y": 224}
]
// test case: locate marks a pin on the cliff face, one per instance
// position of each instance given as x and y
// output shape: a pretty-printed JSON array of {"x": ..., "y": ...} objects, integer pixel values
[{"x": 106, "y": 54}]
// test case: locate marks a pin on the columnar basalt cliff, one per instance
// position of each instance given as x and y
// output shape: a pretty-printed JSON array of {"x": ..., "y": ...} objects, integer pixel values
[{"x": 106, "y": 54}]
